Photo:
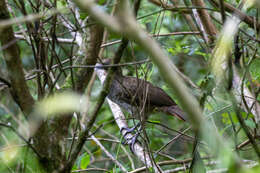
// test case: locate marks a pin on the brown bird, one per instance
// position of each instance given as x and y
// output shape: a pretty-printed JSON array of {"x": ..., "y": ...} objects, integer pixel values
[{"x": 140, "y": 98}]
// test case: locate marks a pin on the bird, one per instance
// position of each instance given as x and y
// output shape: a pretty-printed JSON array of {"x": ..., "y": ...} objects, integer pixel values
[
  {"x": 138, "y": 96},
  {"x": 141, "y": 98}
]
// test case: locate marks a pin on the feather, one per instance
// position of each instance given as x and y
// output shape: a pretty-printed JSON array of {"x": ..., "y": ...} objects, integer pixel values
[{"x": 174, "y": 110}]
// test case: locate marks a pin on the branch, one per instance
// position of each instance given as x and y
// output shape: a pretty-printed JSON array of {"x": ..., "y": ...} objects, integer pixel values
[
  {"x": 21, "y": 136},
  {"x": 6, "y": 22},
  {"x": 122, "y": 123},
  {"x": 19, "y": 88},
  {"x": 95, "y": 36},
  {"x": 5, "y": 82},
  {"x": 84, "y": 134},
  {"x": 252, "y": 22},
  {"x": 109, "y": 154},
  {"x": 210, "y": 28},
  {"x": 250, "y": 99}
]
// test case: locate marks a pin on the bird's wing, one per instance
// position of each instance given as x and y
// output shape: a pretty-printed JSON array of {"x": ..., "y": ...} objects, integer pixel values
[
  {"x": 140, "y": 90},
  {"x": 159, "y": 97}
]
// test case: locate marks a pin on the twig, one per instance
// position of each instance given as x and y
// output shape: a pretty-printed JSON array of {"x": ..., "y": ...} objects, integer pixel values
[
  {"x": 21, "y": 136},
  {"x": 5, "y": 82},
  {"x": 244, "y": 126},
  {"x": 107, "y": 66},
  {"x": 121, "y": 122},
  {"x": 28, "y": 18},
  {"x": 173, "y": 139},
  {"x": 91, "y": 169},
  {"x": 108, "y": 154},
  {"x": 85, "y": 133}
]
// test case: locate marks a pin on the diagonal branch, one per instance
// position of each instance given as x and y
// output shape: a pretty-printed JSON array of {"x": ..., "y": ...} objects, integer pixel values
[
  {"x": 252, "y": 22},
  {"x": 122, "y": 123}
]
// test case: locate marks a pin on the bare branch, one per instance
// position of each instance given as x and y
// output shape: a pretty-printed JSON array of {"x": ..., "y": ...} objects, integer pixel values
[
  {"x": 109, "y": 154},
  {"x": 122, "y": 123}
]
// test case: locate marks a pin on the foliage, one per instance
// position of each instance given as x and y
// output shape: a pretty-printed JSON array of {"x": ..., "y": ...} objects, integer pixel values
[{"x": 48, "y": 50}]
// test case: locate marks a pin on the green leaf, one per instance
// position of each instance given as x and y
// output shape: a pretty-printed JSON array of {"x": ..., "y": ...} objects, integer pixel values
[
  {"x": 155, "y": 121},
  {"x": 85, "y": 161},
  {"x": 226, "y": 118},
  {"x": 74, "y": 167},
  {"x": 83, "y": 15},
  {"x": 255, "y": 69},
  {"x": 101, "y": 2},
  {"x": 61, "y": 4},
  {"x": 250, "y": 124}
]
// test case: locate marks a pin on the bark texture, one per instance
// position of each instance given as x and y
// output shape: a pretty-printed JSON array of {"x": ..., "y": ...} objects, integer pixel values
[{"x": 93, "y": 43}]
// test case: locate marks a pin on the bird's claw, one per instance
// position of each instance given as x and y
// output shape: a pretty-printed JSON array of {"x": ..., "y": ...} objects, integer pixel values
[
  {"x": 132, "y": 140},
  {"x": 128, "y": 130}
]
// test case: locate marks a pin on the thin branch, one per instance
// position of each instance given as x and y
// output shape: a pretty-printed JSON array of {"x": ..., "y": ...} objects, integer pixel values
[
  {"x": 84, "y": 134},
  {"x": 222, "y": 9},
  {"x": 93, "y": 116},
  {"x": 244, "y": 126},
  {"x": 173, "y": 139},
  {"x": 121, "y": 122},
  {"x": 244, "y": 17},
  {"x": 28, "y": 18},
  {"x": 21, "y": 136},
  {"x": 5, "y": 82},
  {"x": 91, "y": 169},
  {"x": 109, "y": 154}
]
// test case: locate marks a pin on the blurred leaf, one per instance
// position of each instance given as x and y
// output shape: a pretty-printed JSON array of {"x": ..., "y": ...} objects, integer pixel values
[
  {"x": 98, "y": 152},
  {"x": 101, "y": 2},
  {"x": 255, "y": 69},
  {"x": 250, "y": 123},
  {"x": 74, "y": 167},
  {"x": 223, "y": 49},
  {"x": 61, "y": 4},
  {"x": 83, "y": 15},
  {"x": 255, "y": 169},
  {"x": 250, "y": 3},
  {"x": 197, "y": 163},
  {"x": 226, "y": 119},
  {"x": 9, "y": 153},
  {"x": 85, "y": 160},
  {"x": 60, "y": 103}
]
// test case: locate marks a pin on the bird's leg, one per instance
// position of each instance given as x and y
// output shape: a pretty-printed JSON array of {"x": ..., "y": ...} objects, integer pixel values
[
  {"x": 129, "y": 130},
  {"x": 131, "y": 141}
]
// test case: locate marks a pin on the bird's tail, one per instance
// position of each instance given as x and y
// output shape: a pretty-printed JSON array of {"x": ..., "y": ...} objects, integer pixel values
[{"x": 176, "y": 111}]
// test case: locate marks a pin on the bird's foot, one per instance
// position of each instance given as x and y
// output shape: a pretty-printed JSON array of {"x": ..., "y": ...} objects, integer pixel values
[
  {"x": 128, "y": 130},
  {"x": 132, "y": 140}
]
